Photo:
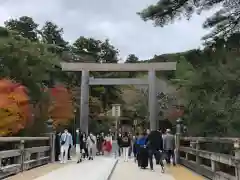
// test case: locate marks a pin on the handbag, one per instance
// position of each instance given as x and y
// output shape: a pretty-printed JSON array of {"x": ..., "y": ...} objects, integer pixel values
[
  {"x": 64, "y": 141},
  {"x": 92, "y": 140}
]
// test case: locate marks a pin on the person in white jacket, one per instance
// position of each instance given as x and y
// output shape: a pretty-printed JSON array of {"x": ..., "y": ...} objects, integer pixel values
[
  {"x": 65, "y": 141},
  {"x": 92, "y": 146}
]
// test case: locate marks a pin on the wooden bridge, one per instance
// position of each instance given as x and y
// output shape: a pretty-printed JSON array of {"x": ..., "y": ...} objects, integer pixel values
[{"x": 26, "y": 158}]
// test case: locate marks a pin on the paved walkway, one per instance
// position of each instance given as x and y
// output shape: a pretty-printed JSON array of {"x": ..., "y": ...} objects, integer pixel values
[
  {"x": 99, "y": 168},
  {"x": 129, "y": 171},
  {"x": 36, "y": 172}
]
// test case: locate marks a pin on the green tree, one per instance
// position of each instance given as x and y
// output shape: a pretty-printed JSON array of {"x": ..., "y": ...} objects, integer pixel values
[
  {"x": 52, "y": 34},
  {"x": 26, "y": 62},
  {"x": 225, "y": 21},
  {"x": 100, "y": 52},
  {"x": 132, "y": 58},
  {"x": 24, "y": 26},
  {"x": 212, "y": 90}
]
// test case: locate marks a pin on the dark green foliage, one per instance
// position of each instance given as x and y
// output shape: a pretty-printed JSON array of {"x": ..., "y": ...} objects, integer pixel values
[{"x": 225, "y": 21}]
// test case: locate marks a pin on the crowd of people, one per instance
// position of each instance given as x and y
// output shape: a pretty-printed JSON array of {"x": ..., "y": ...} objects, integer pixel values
[
  {"x": 86, "y": 146},
  {"x": 146, "y": 146}
]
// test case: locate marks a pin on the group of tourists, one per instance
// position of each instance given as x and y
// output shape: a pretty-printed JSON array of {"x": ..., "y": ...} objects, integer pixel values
[
  {"x": 148, "y": 145},
  {"x": 86, "y": 146},
  {"x": 144, "y": 146}
]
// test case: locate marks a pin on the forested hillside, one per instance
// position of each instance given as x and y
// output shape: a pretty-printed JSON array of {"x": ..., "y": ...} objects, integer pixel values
[{"x": 208, "y": 81}]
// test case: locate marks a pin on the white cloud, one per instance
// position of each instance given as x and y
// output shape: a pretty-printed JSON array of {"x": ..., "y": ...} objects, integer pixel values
[{"x": 113, "y": 19}]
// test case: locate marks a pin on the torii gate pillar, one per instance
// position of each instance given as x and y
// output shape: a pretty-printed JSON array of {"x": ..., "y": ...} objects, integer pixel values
[
  {"x": 152, "y": 100},
  {"x": 84, "y": 101}
]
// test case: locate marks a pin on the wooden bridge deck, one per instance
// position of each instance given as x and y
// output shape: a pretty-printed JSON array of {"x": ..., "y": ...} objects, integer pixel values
[{"x": 102, "y": 167}]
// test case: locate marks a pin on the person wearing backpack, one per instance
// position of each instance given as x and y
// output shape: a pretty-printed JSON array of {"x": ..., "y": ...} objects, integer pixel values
[{"x": 126, "y": 143}]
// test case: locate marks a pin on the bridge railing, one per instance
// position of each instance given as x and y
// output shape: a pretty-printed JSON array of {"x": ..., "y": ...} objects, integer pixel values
[
  {"x": 214, "y": 158},
  {"x": 19, "y": 154}
]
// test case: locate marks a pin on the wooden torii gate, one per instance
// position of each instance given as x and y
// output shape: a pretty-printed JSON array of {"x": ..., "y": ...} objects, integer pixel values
[{"x": 85, "y": 68}]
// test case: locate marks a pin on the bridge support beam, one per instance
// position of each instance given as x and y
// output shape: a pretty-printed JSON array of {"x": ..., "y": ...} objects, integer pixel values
[
  {"x": 152, "y": 102},
  {"x": 84, "y": 101}
]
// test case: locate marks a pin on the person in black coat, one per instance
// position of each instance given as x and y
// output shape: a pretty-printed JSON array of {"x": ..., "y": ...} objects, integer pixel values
[
  {"x": 119, "y": 142},
  {"x": 126, "y": 143},
  {"x": 155, "y": 148},
  {"x": 83, "y": 145},
  {"x": 57, "y": 146}
]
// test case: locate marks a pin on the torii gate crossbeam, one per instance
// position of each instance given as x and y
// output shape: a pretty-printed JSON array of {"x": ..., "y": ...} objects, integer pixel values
[{"x": 151, "y": 68}]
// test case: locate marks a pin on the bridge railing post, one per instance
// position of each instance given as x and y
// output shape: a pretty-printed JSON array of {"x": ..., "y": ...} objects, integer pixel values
[
  {"x": 237, "y": 157},
  {"x": 177, "y": 141},
  {"x": 22, "y": 156},
  {"x": 52, "y": 147}
]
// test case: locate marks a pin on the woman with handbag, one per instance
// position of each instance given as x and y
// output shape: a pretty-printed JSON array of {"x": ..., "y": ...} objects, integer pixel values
[{"x": 92, "y": 146}]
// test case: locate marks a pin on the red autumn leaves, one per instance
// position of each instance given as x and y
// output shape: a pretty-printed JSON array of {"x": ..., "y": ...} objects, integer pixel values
[
  {"x": 16, "y": 111},
  {"x": 61, "y": 109}
]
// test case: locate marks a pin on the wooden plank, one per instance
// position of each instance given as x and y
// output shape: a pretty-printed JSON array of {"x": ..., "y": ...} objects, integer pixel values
[
  {"x": 35, "y": 162},
  {"x": 10, "y": 153},
  {"x": 211, "y": 139},
  {"x": 16, "y": 139},
  {"x": 188, "y": 150},
  {"x": 163, "y": 66},
  {"x": 38, "y": 149},
  {"x": 217, "y": 157},
  {"x": 8, "y": 170}
]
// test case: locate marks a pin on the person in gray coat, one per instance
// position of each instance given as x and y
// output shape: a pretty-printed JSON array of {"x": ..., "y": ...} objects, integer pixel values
[{"x": 169, "y": 146}]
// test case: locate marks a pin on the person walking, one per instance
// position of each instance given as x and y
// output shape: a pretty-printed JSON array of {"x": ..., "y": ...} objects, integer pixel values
[
  {"x": 102, "y": 140},
  {"x": 78, "y": 146},
  {"x": 131, "y": 145},
  {"x": 57, "y": 146},
  {"x": 70, "y": 146},
  {"x": 126, "y": 143},
  {"x": 98, "y": 145},
  {"x": 155, "y": 148},
  {"x": 169, "y": 146},
  {"x": 92, "y": 146},
  {"x": 142, "y": 152},
  {"x": 65, "y": 141},
  {"x": 135, "y": 138},
  {"x": 84, "y": 148},
  {"x": 108, "y": 144},
  {"x": 119, "y": 143}
]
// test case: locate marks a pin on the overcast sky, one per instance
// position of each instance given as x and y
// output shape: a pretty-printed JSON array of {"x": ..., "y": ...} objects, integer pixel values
[{"x": 113, "y": 19}]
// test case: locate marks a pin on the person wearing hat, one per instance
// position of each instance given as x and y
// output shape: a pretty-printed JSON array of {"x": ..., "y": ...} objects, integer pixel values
[{"x": 169, "y": 146}]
